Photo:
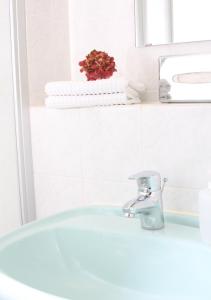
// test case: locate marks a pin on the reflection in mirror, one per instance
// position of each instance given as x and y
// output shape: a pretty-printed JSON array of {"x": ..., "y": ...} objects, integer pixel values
[
  {"x": 172, "y": 21},
  {"x": 185, "y": 78}
]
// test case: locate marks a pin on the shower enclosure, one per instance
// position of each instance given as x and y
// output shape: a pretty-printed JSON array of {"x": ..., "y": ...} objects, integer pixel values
[{"x": 16, "y": 179}]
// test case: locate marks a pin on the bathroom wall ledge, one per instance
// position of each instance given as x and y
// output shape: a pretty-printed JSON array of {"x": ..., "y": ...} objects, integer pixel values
[{"x": 148, "y": 102}]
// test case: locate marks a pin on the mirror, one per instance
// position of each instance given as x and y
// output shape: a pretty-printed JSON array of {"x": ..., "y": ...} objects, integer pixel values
[{"x": 172, "y": 21}]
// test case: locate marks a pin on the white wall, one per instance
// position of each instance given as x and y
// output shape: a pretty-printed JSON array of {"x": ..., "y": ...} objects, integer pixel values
[
  {"x": 85, "y": 156},
  {"x": 9, "y": 189},
  {"x": 101, "y": 25},
  {"x": 47, "y": 45}
]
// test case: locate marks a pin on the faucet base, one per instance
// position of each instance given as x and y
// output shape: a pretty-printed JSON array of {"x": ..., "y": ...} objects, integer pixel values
[
  {"x": 152, "y": 219},
  {"x": 152, "y": 228}
]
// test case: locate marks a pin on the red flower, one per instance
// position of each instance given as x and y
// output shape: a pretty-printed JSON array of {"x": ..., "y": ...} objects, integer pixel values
[{"x": 98, "y": 65}]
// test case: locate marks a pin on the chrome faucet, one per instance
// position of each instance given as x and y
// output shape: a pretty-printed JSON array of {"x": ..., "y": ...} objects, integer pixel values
[{"x": 148, "y": 202}]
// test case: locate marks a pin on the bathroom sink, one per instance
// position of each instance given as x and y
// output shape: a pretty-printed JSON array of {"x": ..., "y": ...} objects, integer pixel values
[{"x": 96, "y": 253}]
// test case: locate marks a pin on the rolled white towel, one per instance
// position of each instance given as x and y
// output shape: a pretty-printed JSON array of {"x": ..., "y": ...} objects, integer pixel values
[
  {"x": 165, "y": 94},
  {"x": 98, "y": 87},
  {"x": 132, "y": 93},
  {"x": 164, "y": 85},
  {"x": 164, "y": 89},
  {"x": 136, "y": 86},
  {"x": 165, "y": 97},
  {"x": 89, "y": 100}
]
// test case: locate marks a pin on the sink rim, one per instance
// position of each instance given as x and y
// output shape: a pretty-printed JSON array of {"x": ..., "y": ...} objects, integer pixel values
[
  {"x": 175, "y": 217},
  {"x": 53, "y": 221}
]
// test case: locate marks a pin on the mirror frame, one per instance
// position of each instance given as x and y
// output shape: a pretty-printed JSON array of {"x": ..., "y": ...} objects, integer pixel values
[{"x": 140, "y": 27}]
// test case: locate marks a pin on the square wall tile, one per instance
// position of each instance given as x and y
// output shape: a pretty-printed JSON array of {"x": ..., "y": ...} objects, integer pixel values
[
  {"x": 111, "y": 142},
  {"x": 102, "y": 192},
  {"x": 180, "y": 199},
  {"x": 55, "y": 194},
  {"x": 175, "y": 142},
  {"x": 56, "y": 142}
]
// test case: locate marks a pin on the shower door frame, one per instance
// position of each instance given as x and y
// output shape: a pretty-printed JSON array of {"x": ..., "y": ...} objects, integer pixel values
[{"x": 21, "y": 111}]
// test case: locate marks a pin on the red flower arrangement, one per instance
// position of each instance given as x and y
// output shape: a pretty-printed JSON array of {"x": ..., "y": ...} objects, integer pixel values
[{"x": 98, "y": 65}]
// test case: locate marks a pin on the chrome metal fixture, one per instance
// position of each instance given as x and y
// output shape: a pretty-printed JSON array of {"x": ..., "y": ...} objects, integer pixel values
[{"x": 148, "y": 202}]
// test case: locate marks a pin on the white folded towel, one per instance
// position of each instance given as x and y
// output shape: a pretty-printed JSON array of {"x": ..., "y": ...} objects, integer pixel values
[
  {"x": 89, "y": 101},
  {"x": 98, "y": 87}
]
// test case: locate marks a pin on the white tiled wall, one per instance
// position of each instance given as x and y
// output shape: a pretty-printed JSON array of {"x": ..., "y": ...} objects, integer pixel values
[
  {"x": 47, "y": 45},
  {"x": 85, "y": 156}
]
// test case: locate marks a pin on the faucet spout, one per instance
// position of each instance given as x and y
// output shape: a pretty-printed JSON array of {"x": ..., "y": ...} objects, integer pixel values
[{"x": 129, "y": 208}]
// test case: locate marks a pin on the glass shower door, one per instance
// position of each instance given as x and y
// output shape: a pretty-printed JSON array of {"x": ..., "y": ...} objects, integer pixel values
[{"x": 11, "y": 188}]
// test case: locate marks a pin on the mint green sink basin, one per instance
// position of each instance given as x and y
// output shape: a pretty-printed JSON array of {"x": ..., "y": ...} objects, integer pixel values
[{"x": 97, "y": 254}]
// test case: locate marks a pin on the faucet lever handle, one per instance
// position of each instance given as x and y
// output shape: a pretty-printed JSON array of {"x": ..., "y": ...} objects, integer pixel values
[
  {"x": 144, "y": 174},
  {"x": 165, "y": 179},
  {"x": 147, "y": 179}
]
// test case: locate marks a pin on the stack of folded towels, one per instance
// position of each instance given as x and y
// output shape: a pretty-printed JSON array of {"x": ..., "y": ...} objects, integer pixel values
[{"x": 64, "y": 94}]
